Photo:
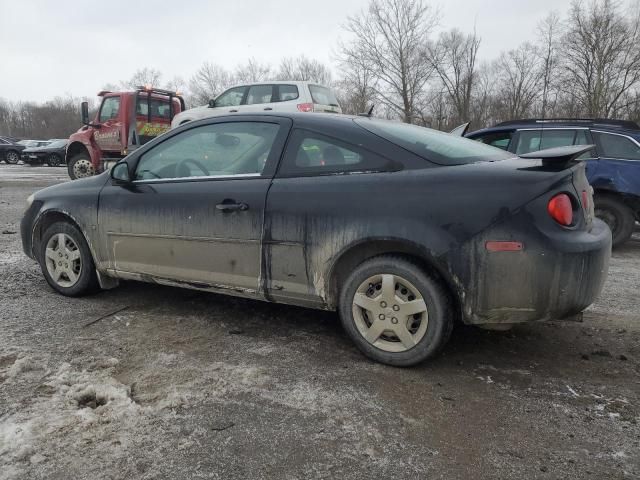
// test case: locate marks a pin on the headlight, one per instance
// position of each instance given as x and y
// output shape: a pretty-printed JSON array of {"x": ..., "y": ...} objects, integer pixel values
[{"x": 30, "y": 200}]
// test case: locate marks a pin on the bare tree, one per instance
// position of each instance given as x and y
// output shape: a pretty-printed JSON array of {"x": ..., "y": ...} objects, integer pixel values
[
  {"x": 209, "y": 81},
  {"x": 549, "y": 30},
  {"x": 144, "y": 76},
  {"x": 454, "y": 59},
  {"x": 391, "y": 37},
  {"x": 601, "y": 53},
  {"x": 252, "y": 71},
  {"x": 304, "y": 69},
  {"x": 519, "y": 80}
]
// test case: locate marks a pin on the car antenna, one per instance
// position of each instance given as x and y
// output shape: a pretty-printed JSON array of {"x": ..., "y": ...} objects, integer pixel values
[{"x": 369, "y": 113}]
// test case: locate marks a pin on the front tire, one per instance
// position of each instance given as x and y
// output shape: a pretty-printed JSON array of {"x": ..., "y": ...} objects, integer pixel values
[
  {"x": 617, "y": 215},
  {"x": 12, "y": 157},
  {"x": 66, "y": 261},
  {"x": 54, "y": 160},
  {"x": 80, "y": 166},
  {"x": 395, "y": 312}
]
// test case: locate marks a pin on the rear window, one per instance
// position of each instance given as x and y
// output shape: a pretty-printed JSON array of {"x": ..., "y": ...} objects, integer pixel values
[
  {"x": 323, "y": 95},
  {"x": 159, "y": 108},
  {"x": 437, "y": 147}
]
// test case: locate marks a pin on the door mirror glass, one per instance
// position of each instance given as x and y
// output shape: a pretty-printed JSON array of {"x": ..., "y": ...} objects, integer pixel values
[
  {"x": 84, "y": 108},
  {"x": 212, "y": 103},
  {"x": 120, "y": 173}
]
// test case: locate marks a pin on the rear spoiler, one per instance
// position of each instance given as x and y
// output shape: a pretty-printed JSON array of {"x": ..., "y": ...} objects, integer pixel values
[{"x": 559, "y": 157}]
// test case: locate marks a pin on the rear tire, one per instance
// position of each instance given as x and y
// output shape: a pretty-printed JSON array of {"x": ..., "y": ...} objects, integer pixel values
[
  {"x": 617, "y": 215},
  {"x": 54, "y": 160},
  {"x": 12, "y": 157},
  {"x": 80, "y": 166},
  {"x": 386, "y": 329},
  {"x": 66, "y": 261}
]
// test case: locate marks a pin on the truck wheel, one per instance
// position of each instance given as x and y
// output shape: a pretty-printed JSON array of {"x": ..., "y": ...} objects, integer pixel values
[
  {"x": 66, "y": 261},
  {"x": 54, "y": 160},
  {"x": 617, "y": 215},
  {"x": 395, "y": 312},
  {"x": 12, "y": 157},
  {"x": 80, "y": 166}
]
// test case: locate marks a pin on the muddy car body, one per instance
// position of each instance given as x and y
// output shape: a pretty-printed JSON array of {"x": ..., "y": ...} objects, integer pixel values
[{"x": 387, "y": 223}]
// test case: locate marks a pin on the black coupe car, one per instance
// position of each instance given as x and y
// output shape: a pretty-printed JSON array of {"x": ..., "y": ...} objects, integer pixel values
[
  {"x": 10, "y": 150},
  {"x": 52, "y": 154},
  {"x": 401, "y": 229}
]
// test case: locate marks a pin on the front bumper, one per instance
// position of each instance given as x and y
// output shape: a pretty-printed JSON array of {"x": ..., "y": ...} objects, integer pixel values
[
  {"x": 551, "y": 278},
  {"x": 26, "y": 228},
  {"x": 32, "y": 158}
]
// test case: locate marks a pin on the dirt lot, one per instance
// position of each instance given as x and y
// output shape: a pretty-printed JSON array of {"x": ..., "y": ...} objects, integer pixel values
[{"x": 181, "y": 384}]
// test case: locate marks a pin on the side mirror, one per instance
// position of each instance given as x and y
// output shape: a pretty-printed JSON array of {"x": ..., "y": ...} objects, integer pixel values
[
  {"x": 120, "y": 173},
  {"x": 212, "y": 103},
  {"x": 84, "y": 108}
]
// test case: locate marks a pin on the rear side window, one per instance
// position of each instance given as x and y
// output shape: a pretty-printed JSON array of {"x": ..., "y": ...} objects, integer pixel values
[
  {"x": 310, "y": 153},
  {"x": 616, "y": 146},
  {"x": 159, "y": 109},
  {"x": 437, "y": 147},
  {"x": 259, "y": 94},
  {"x": 534, "y": 140},
  {"x": 323, "y": 95},
  {"x": 500, "y": 140},
  {"x": 110, "y": 108},
  {"x": 287, "y": 92}
]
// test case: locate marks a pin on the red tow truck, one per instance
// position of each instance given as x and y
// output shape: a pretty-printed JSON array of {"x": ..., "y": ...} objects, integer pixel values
[{"x": 124, "y": 121}]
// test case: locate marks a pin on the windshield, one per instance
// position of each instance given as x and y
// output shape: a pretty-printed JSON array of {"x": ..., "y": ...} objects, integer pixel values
[
  {"x": 433, "y": 145},
  {"x": 323, "y": 95},
  {"x": 57, "y": 143}
]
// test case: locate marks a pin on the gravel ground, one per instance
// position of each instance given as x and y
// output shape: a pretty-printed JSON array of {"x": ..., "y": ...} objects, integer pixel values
[{"x": 182, "y": 384}]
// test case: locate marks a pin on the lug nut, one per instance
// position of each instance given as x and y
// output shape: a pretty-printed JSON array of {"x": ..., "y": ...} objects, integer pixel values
[
  {"x": 383, "y": 304},
  {"x": 394, "y": 320},
  {"x": 381, "y": 316},
  {"x": 396, "y": 308}
]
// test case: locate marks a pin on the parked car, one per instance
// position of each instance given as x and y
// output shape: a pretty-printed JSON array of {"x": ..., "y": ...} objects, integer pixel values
[
  {"x": 400, "y": 228},
  {"x": 10, "y": 150},
  {"x": 34, "y": 143},
  {"x": 283, "y": 96},
  {"x": 613, "y": 166},
  {"x": 52, "y": 154}
]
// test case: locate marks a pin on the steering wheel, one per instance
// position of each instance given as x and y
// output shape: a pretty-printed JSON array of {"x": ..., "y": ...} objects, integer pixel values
[{"x": 182, "y": 170}]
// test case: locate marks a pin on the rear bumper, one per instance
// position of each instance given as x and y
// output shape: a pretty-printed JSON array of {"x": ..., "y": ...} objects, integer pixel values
[{"x": 551, "y": 278}]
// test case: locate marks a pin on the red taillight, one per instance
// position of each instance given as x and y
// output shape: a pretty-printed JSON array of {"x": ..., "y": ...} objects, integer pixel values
[
  {"x": 585, "y": 200},
  {"x": 305, "y": 107},
  {"x": 560, "y": 209}
]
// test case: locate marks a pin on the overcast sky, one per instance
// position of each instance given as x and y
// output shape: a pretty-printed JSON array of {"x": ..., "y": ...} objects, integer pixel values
[{"x": 50, "y": 48}]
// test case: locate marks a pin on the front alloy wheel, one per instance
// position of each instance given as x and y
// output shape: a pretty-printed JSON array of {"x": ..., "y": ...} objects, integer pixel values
[
  {"x": 66, "y": 261},
  {"x": 12, "y": 157},
  {"x": 63, "y": 260}
]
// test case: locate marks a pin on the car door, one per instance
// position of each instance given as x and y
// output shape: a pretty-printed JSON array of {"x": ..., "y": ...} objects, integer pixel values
[
  {"x": 231, "y": 101},
  {"x": 108, "y": 135},
  {"x": 259, "y": 98},
  {"x": 193, "y": 212}
]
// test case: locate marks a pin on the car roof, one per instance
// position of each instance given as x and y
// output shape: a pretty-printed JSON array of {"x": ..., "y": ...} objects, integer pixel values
[
  {"x": 278, "y": 82},
  {"x": 613, "y": 126}
]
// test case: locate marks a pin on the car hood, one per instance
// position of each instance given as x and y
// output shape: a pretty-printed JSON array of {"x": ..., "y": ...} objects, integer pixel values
[{"x": 70, "y": 188}]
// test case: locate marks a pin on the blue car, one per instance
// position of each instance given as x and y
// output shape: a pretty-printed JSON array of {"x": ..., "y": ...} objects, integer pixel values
[{"x": 613, "y": 166}]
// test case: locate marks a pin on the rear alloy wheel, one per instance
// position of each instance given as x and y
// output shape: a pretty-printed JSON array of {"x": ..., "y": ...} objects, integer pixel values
[
  {"x": 394, "y": 312},
  {"x": 66, "y": 261},
  {"x": 617, "y": 215},
  {"x": 54, "y": 160},
  {"x": 80, "y": 166},
  {"x": 12, "y": 157}
]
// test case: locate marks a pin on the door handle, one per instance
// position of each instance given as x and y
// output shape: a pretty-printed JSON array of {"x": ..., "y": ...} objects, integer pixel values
[
  {"x": 233, "y": 111},
  {"x": 231, "y": 206},
  {"x": 268, "y": 108}
]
